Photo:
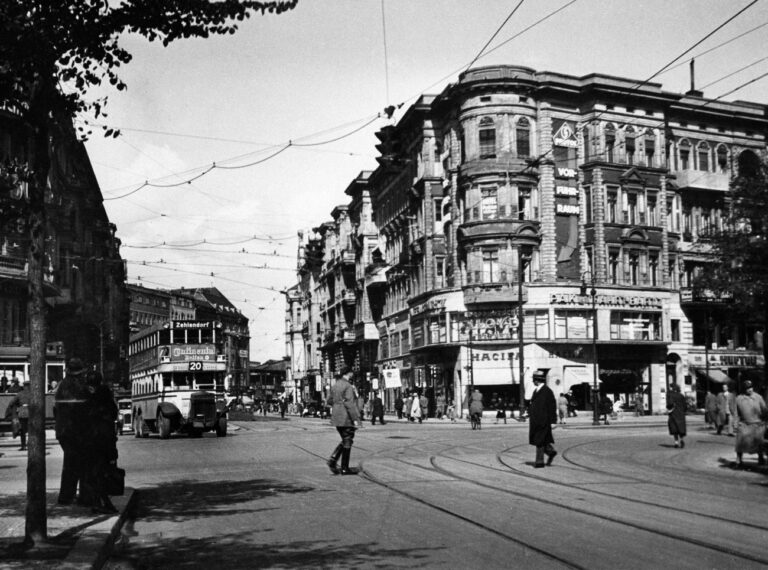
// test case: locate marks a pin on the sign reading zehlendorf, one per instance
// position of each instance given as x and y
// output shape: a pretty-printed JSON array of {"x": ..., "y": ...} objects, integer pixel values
[{"x": 187, "y": 352}]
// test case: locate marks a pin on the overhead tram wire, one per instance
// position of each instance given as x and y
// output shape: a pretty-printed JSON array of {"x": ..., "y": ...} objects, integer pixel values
[
  {"x": 496, "y": 33},
  {"x": 637, "y": 86}
]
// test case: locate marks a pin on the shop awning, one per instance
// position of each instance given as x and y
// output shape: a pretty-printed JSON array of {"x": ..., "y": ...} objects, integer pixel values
[{"x": 715, "y": 375}]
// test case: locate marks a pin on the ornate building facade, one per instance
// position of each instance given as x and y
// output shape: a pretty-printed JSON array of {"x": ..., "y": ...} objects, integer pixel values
[{"x": 539, "y": 221}]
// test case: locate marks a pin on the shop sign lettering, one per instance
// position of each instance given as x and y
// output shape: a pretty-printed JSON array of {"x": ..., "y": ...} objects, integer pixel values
[
  {"x": 565, "y": 136},
  {"x": 567, "y": 209},
  {"x": 606, "y": 300},
  {"x": 485, "y": 356},
  {"x": 430, "y": 305}
]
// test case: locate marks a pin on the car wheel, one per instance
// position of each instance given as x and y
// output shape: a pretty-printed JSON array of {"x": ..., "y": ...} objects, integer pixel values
[{"x": 221, "y": 427}]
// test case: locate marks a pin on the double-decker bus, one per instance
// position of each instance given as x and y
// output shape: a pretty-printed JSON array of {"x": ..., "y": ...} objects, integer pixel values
[{"x": 178, "y": 379}]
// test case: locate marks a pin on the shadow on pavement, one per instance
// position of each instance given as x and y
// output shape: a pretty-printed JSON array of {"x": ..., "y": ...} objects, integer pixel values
[
  {"x": 234, "y": 551},
  {"x": 182, "y": 500}
]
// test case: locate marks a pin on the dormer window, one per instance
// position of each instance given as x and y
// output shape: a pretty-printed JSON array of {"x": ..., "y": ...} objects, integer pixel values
[{"x": 487, "y": 138}]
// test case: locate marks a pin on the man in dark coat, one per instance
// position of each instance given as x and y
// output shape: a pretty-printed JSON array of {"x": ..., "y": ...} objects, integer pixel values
[
  {"x": 399, "y": 406},
  {"x": 542, "y": 413},
  {"x": 71, "y": 415},
  {"x": 377, "y": 410},
  {"x": 345, "y": 413}
]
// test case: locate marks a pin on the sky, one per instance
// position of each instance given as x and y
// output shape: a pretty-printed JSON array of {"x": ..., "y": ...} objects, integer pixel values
[{"x": 320, "y": 76}]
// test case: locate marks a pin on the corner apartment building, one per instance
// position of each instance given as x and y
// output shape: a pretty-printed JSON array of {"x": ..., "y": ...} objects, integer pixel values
[
  {"x": 539, "y": 221},
  {"x": 84, "y": 274}
]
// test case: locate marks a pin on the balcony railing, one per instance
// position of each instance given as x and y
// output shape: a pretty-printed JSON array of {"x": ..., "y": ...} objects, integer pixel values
[{"x": 14, "y": 337}]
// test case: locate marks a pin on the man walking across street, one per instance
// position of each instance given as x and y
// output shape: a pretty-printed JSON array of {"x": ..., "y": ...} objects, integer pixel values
[
  {"x": 344, "y": 415},
  {"x": 377, "y": 407},
  {"x": 751, "y": 414},
  {"x": 542, "y": 413}
]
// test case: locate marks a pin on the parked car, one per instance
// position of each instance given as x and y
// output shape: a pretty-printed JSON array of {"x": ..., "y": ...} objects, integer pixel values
[{"x": 124, "y": 415}]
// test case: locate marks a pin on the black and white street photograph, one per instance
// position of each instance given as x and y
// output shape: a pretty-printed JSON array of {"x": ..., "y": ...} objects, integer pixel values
[{"x": 383, "y": 284}]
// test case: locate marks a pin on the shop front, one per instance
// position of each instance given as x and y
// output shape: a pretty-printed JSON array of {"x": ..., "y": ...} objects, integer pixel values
[{"x": 711, "y": 369}]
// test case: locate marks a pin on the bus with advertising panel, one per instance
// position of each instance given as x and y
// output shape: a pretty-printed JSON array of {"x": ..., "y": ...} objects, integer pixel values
[{"x": 178, "y": 379}]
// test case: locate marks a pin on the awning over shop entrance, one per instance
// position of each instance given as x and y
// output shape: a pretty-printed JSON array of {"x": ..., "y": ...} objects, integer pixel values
[{"x": 715, "y": 375}]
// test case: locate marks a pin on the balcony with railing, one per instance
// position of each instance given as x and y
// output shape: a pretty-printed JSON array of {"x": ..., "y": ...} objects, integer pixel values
[{"x": 499, "y": 292}]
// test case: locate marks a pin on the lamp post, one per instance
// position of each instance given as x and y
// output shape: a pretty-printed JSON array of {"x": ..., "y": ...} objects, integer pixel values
[
  {"x": 521, "y": 258},
  {"x": 595, "y": 389}
]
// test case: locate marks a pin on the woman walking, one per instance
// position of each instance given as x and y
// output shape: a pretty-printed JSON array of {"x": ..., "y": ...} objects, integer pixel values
[{"x": 676, "y": 409}]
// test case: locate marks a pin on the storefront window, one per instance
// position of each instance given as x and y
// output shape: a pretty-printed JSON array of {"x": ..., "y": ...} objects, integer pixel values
[
  {"x": 437, "y": 330},
  {"x": 635, "y": 326},
  {"x": 573, "y": 324}
]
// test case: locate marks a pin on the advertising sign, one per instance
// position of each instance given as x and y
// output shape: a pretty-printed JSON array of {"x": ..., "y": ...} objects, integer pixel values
[{"x": 192, "y": 352}]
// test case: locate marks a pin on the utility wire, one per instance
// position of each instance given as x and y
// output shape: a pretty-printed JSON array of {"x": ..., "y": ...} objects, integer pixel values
[{"x": 496, "y": 33}]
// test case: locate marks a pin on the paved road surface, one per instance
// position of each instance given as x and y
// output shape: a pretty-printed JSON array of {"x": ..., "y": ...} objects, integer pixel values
[{"x": 442, "y": 495}]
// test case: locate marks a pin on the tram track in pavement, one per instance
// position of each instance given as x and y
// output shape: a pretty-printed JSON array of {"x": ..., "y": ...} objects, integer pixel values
[
  {"x": 436, "y": 466},
  {"x": 739, "y": 526},
  {"x": 660, "y": 520}
]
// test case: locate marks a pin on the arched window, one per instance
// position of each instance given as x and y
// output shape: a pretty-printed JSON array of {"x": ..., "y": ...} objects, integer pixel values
[
  {"x": 629, "y": 145},
  {"x": 523, "y": 137},
  {"x": 684, "y": 152},
  {"x": 749, "y": 164},
  {"x": 702, "y": 152},
  {"x": 650, "y": 148},
  {"x": 487, "y": 138},
  {"x": 722, "y": 159},
  {"x": 610, "y": 141}
]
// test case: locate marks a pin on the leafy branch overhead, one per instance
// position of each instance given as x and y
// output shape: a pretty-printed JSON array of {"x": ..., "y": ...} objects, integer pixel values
[
  {"x": 55, "y": 50},
  {"x": 742, "y": 247}
]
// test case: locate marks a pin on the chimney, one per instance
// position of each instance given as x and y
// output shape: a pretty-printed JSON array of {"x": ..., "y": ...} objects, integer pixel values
[{"x": 693, "y": 92}]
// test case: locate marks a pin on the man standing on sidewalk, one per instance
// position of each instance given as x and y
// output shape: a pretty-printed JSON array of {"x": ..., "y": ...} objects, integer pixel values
[
  {"x": 542, "y": 413},
  {"x": 344, "y": 415},
  {"x": 71, "y": 414}
]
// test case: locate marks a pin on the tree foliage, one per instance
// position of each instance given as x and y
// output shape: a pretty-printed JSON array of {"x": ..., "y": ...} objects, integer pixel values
[
  {"x": 56, "y": 50},
  {"x": 52, "y": 53},
  {"x": 741, "y": 248}
]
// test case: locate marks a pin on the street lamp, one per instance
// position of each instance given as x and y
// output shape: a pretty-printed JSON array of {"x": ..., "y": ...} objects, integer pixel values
[
  {"x": 595, "y": 390},
  {"x": 522, "y": 257}
]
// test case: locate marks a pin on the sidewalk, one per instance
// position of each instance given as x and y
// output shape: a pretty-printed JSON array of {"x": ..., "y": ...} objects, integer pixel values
[{"x": 78, "y": 538}]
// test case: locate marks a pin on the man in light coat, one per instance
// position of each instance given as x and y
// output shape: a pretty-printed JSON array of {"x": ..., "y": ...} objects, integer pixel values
[
  {"x": 726, "y": 410},
  {"x": 542, "y": 414},
  {"x": 345, "y": 415}
]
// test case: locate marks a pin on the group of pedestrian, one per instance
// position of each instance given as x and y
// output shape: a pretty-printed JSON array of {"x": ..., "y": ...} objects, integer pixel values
[
  {"x": 415, "y": 407},
  {"x": 85, "y": 412},
  {"x": 744, "y": 416}
]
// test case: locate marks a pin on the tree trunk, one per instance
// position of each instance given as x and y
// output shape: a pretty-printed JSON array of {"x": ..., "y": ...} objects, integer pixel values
[{"x": 36, "y": 525}]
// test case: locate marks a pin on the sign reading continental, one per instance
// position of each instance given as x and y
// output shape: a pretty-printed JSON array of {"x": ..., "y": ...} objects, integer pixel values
[{"x": 192, "y": 352}]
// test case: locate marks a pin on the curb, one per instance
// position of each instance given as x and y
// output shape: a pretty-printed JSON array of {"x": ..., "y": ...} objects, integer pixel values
[{"x": 95, "y": 543}]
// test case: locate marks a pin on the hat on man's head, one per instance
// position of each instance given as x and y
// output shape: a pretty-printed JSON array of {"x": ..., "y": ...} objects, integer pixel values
[
  {"x": 75, "y": 366},
  {"x": 747, "y": 384},
  {"x": 344, "y": 370}
]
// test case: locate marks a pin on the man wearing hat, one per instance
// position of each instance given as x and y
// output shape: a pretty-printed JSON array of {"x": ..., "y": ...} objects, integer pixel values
[
  {"x": 751, "y": 414},
  {"x": 542, "y": 414},
  {"x": 70, "y": 412},
  {"x": 19, "y": 408},
  {"x": 344, "y": 415}
]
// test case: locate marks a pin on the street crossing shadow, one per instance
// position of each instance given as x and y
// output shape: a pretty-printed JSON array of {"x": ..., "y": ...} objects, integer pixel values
[
  {"x": 184, "y": 500},
  {"x": 244, "y": 550}
]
